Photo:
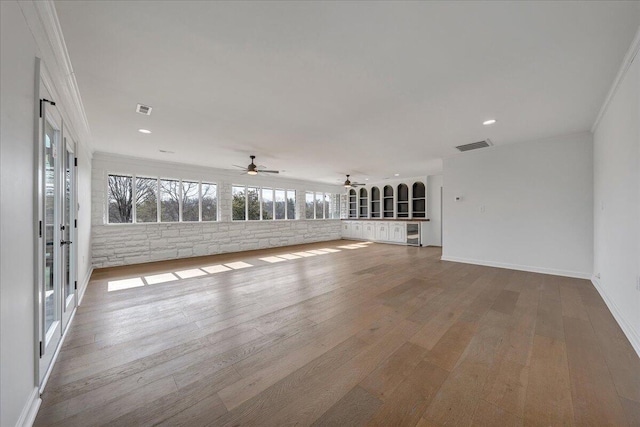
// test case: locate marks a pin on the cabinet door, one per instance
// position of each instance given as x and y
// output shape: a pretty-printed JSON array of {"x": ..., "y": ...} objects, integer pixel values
[
  {"x": 398, "y": 233},
  {"x": 346, "y": 230},
  {"x": 356, "y": 231},
  {"x": 382, "y": 231},
  {"x": 368, "y": 231}
]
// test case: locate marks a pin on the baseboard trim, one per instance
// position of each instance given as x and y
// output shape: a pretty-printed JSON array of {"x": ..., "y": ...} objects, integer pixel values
[
  {"x": 30, "y": 410},
  {"x": 83, "y": 285},
  {"x": 555, "y": 272},
  {"x": 631, "y": 335}
]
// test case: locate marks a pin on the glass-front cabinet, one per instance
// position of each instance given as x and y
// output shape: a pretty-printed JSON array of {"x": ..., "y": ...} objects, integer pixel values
[{"x": 391, "y": 201}]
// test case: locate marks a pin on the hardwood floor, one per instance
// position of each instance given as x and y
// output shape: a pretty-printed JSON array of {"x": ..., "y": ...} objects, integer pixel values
[{"x": 371, "y": 335}]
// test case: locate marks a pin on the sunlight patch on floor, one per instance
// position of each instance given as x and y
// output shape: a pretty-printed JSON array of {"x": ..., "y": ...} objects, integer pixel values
[
  {"x": 272, "y": 259},
  {"x": 119, "y": 285},
  {"x": 160, "y": 278},
  {"x": 289, "y": 256},
  {"x": 136, "y": 282},
  {"x": 238, "y": 265},
  {"x": 304, "y": 254},
  {"x": 213, "y": 269},
  {"x": 193, "y": 272},
  {"x": 318, "y": 252}
]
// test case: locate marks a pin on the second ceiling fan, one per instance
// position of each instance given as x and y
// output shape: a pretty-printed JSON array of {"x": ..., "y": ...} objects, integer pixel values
[
  {"x": 252, "y": 169},
  {"x": 349, "y": 184}
]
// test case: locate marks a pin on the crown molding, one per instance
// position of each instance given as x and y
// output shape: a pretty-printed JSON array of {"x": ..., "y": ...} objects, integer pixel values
[
  {"x": 632, "y": 52},
  {"x": 57, "y": 70}
]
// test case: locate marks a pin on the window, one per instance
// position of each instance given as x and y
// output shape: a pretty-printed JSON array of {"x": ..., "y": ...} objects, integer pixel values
[
  {"x": 319, "y": 206},
  {"x": 267, "y": 203},
  {"x": 146, "y": 199},
  {"x": 309, "y": 205},
  {"x": 239, "y": 203},
  {"x": 254, "y": 203},
  {"x": 335, "y": 203},
  {"x": 120, "y": 199},
  {"x": 281, "y": 204},
  {"x": 190, "y": 201},
  {"x": 169, "y": 200},
  {"x": 322, "y": 205},
  {"x": 209, "y": 197},
  {"x": 291, "y": 204}
]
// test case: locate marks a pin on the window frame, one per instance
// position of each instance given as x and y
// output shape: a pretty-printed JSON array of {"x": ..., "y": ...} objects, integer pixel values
[
  {"x": 158, "y": 178},
  {"x": 260, "y": 189},
  {"x": 330, "y": 203}
]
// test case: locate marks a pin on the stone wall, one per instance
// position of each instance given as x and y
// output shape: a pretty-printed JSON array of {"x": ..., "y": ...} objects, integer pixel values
[{"x": 115, "y": 245}]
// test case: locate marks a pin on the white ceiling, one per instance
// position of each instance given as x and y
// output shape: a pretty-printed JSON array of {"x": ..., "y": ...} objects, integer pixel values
[{"x": 325, "y": 89}]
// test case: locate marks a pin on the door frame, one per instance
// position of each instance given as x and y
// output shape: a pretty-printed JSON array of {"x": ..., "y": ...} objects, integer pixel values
[{"x": 46, "y": 108}]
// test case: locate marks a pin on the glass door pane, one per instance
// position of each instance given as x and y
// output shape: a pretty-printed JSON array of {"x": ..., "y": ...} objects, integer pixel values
[
  {"x": 51, "y": 310},
  {"x": 67, "y": 229}
]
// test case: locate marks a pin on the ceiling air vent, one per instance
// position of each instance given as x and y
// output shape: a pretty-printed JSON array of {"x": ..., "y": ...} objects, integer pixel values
[
  {"x": 475, "y": 145},
  {"x": 143, "y": 109}
]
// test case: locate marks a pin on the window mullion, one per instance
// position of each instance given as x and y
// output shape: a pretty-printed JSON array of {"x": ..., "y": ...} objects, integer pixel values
[
  {"x": 134, "y": 193},
  {"x": 200, "y": 201}
]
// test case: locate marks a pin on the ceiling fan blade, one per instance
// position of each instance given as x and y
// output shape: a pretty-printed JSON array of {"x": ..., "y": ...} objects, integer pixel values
[
  {"x": 241, "y": 167},
  {"x": 267, "y": 171}
]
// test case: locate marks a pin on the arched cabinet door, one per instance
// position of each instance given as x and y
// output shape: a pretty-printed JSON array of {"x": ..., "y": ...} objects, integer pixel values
[
  {"x": 403, "y": 201},
  {"x": 419, "y": 200},
  {"x": 375, "y": 202},
  {"x": 364, "y": 204},
  {"x": 387, "y": 201},
  {"x": 353, "y": 204}
]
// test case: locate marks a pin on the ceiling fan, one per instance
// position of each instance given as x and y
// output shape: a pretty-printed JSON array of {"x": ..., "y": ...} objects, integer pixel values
[
  {"x": 349, "y": 184},
  {"x": 252, "y": 169}
]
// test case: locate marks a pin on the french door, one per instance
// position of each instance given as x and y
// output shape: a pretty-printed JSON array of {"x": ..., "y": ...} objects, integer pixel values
[{"x": 57, "y": 210}]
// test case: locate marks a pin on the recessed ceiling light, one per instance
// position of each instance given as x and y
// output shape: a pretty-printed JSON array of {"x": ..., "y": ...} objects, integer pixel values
[
  {"x": 144, "y": 131},
  {"x": 396, "y": 174},
  {"x": 489, "y": 122}
]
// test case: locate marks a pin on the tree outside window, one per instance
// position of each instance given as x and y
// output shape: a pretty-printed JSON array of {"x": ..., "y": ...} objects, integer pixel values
[
  {"x": 238, "y": 203},
  {"x": 309, "y": 205},
  {"x": 146, "y": 199},
  {"x": 190, "y": 201},
  {"x": 169, "y": 200},
  {"x": 209, "y": 202},
  {"x": 267, "y": 203},
  {"x": 120, "y": 199}
]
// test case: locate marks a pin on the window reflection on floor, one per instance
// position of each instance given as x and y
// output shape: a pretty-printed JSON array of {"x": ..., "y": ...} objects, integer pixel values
[{"x": 155, "y": 279}]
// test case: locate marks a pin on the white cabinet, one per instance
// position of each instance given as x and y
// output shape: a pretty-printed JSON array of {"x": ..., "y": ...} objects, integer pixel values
[
  {"x": 356, "y": 230},
  {"x": 368, "y": 230},
  {"x": 347, "y": 229},
  {"x": 398, "y": 233},
  {"x": 382, "y": 231}
]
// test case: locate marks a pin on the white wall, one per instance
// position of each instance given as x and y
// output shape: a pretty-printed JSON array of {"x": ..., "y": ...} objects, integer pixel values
[
  {"x": 617, "y": 202},
  {"x": 84, "y": 218},
  {"x": 433, "y": 228},
  {"x": 121, "y": 244},
  {"x": 27, "y": 31},
  {"x": 524, "y": 206},
  {"x": 17, "y": 85}
]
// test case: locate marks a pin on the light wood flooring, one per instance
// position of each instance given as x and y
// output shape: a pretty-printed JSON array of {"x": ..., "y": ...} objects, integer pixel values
[{"x": 377, "y": 335}]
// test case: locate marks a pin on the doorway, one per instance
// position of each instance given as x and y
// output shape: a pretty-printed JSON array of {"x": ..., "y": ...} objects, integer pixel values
[{"x": 57, "y": 208}]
